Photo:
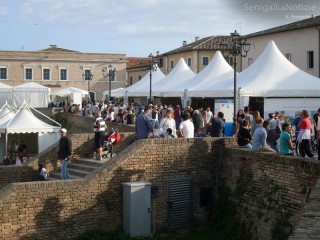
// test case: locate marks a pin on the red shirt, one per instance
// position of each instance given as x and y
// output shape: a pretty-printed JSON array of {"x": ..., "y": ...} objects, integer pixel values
[{"x": 305, "y": 123}]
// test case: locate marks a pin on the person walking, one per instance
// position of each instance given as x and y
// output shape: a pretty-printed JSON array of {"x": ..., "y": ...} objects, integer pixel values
[{"x": 64, "y": 153}]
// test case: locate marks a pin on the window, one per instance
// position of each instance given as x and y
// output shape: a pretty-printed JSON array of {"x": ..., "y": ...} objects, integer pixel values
[
  {"x": 288, "y": 56},
  {"x": 46, "y": 74},
  {"x": 205, "y": 61},
  {"x": 310, "y": 59},
  {"x": 140, "y": 77},
  {"x": 171, "y": 64},
  {"x": 189, "y": 62},
  {"x": 28, "y": 74},
  {"x": 3, "y": 73},
  {"x": 250, "y": 61},
  {"x": 87, "y": 74},
  {"x": 63, "y": 74},
  {"x": 161, "y": 62},
  {"x": 229, "y": 60},
  {"x": 131, "y": 81}
]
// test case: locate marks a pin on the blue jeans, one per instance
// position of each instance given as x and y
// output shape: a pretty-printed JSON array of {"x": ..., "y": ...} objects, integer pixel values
[
  {"x": 155, "y": 123},
  {"x": 249, "y": 146},
  {"x": 64, "y": 169}
]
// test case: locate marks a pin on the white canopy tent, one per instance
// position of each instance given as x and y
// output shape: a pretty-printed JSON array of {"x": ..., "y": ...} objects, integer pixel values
[
  {"x": 283, "y": 86},
  {"x": 117, "y": 92},
  {"x": 173, "y": 84},
  {"x": 25, "y": 122},
  {"x": 142, "y": 87},
  {"x": 5, "y": 93},
  {"x": 67, "y": 91},
  {"x": 273, "y": 75},
  {"x": 34, "y": 94},
  {"x": 75, "y": 94},
  {"x": 216, "y": 80}
]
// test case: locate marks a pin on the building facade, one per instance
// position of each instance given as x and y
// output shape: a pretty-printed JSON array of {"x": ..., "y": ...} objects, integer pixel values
[
  {"x": 197, "y": 54},
  {"x": 299, "y": 42},
  {"x": 59, "y": 68}
]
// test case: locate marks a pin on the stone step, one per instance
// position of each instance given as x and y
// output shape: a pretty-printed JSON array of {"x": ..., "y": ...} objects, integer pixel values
[
  {"x": 79, "y": 168},
  {"x": 88, "y": 162},
  {"x": 57, "y": 176},
  {"x": 83, "y": 167}
]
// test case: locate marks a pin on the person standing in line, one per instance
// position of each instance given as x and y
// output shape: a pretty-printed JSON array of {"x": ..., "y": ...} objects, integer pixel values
[
  {"x": 99, "y": 128},
  {"x": 286, "y": 146},
  {"x": 244, "y": 136},
  {"x": 248, "y": 116},
  {"x": 64, "y": 153},
  {"x": 255, "y": 124},
  {"x": 304, "y": 136},
  {"x": 316, "y": 124},
  {"x": 186, "y": 127},
  {"x": 143, "y": 124},
  {"x": 217, "y": 125},
  {"x": 177, "y": 115},
  {"x": 155, "y": 116}
]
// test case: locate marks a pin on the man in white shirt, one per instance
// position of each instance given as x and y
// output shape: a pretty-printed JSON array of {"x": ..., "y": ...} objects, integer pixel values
[
  {"x": 186, "y": 127},
  {"x": 210, "y": 114}
]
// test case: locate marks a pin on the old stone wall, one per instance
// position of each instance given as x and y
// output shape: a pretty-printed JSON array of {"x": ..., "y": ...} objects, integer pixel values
[
  {"x": 33, "y": 210},
  {"x": 269, "y": 189},
  {"x": 83, "y": 145}
]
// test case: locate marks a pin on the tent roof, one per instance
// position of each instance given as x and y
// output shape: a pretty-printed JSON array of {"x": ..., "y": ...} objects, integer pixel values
[
  {"x": 5, "y": 86},
  {"x": 273, "y": 75},
  {"x": 68, "y": 91},
  {"x": 142, "y": 87},
  {"x": 173, "y": 84},
  {"x": 6, "y": 113},
  {"x": 216, "y": 80},
  {"x": 24, "y": 121},
  {"x": 31, "y": 86}
]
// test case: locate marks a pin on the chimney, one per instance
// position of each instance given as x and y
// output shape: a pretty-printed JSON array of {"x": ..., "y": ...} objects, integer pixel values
[
  {"x": 196, "y": 38},
  {"x": 184, "y": 43},
  {"x": 158, "y": 53}
]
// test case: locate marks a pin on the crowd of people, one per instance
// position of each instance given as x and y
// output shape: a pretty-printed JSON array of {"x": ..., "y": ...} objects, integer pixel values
[
  {"x": 165, "y": 121},
  {"x": 277, "y": 136}
]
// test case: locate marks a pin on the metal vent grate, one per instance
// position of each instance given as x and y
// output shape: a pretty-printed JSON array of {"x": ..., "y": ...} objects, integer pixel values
[{"x": 179, "y": 202}]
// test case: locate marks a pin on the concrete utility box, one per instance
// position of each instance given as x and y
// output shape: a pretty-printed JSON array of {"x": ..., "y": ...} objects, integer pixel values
[{"x": 137, "y": 208}]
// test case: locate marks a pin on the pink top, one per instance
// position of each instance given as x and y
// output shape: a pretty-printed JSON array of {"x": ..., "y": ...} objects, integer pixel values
[{"x": 305, "y": 123}]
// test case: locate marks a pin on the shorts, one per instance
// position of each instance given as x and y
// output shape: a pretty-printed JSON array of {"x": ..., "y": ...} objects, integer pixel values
[{"x": 99, "y": 139}]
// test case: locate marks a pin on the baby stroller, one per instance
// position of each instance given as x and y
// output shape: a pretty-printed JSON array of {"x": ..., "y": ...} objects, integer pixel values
[{"x": 111, "y": 139}]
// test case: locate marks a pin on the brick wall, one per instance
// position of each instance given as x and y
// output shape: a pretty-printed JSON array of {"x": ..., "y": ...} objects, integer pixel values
[
  {"x": 73, "y": 206},
  {"x": 265, "y": 186},
  {"x": 268, "y": 187},
  {"x": 83, "y": 144}
]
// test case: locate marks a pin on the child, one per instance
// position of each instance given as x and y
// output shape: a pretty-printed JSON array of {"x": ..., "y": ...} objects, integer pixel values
[
  {"x": 168, "y": 134},
  {"x": 6, "y": 160},
  {"x": 43, "y": 175}
]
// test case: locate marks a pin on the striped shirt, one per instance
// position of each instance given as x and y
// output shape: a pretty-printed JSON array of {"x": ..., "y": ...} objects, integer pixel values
[{"x": 102, "y": 125}]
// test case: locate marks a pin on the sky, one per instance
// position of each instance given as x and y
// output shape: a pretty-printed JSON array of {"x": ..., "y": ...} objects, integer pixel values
[{"x": 138, "y": 27}]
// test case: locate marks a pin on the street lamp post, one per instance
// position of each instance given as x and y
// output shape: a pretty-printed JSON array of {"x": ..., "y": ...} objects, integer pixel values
[
  {"x": 88, "y": 76},
  {"x": 151, "y": 67},
  {"x": 236, "y": 46},
  {"x": 111, "y": 73}
]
